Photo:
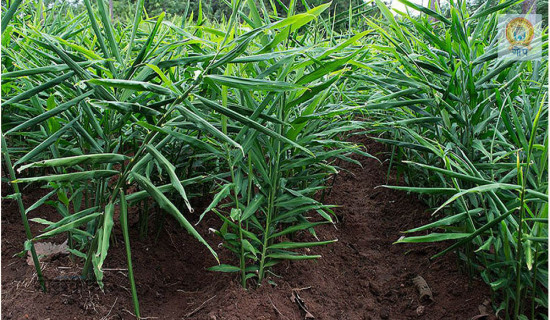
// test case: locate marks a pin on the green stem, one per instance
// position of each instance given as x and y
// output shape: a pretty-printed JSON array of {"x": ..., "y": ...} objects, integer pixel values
[
  {"x": 270, "y": 213},
  {"x": 519, "y": 253},
  {"x": 124, "y": 225},
  {"x": 242, "y": 264},
  {"x": 23, "y": 214},
  {"x": 88, "y": 262},
  {"x": 272, "y": 195},
  {"x": 242, "y": 260},
  {"x": 266, "y": 237},
  {"x": 250, "y": 177}
]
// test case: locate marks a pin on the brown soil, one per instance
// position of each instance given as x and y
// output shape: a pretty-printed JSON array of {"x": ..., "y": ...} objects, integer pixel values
[{"x": 362, "y": 276}]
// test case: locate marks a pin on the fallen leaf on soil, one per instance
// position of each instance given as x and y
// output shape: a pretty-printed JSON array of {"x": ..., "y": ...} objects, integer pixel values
[
  {"x": 296, "y": 298},
  {"x": 485, "y": 311},
  {"x": 45, "y": 249},
  {"x": 423, "y": 288}
]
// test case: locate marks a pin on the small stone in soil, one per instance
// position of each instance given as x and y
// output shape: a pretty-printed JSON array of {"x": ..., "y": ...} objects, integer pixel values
[{"x": 420, "y": 310}]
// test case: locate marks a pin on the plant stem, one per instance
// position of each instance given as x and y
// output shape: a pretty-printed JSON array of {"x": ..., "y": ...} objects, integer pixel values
[
  {"x": 271, "y": 201},
  {"x": 519, "y": 252},
  {"x": 124, "y": 226},
  {"x": 23, "y": 214},
  {"x": 242, "y": 262}
]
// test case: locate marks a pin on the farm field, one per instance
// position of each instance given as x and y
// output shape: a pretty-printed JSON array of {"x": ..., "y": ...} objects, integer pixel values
[
  {"x": 360, "y": 276},
  {"x": 274, "y": 159}
]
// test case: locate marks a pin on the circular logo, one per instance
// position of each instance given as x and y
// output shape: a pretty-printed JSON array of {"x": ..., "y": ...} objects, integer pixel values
[{"x": 520, "y": 32}]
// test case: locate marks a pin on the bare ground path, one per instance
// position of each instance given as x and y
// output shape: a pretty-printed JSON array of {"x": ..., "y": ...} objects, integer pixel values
[{"x": 362, "y": 276}]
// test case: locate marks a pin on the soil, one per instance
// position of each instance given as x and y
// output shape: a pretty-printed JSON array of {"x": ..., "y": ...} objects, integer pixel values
[{"x": 362, "y": 276}]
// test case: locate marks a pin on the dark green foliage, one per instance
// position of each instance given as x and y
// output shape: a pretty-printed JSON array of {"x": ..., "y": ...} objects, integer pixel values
[
  {"x": 485, "y": 147},
  {"x": 252, "y": 103}
]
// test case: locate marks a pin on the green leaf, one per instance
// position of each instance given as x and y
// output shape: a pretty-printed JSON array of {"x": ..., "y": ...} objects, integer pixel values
[
  {"x": 298, "y": 227},
  {"x": 479, "y": 231},
  {"x": 71, "y": 218},
  {"x": 132, "y": 85},
  {"x": 171, "y": 170},
  {"x": 70, "y": 225},
  {"x": 35, "y": 90},
  {"x": 206, "y": 125},
  {"x": 106, "y": 20},
  {"x": 325, "y": 69},
  {"x": 224, "y": 268},
  {"x": 447, "y": 221},
  {"x": 38, "y": 150},
  {"x": 496, "y": 8},
  {"x": 287, "y": 256},
  {"x": 72, "y": 161},
  {"x": 427, "y": 11},
  {"x": 9, "y": 13},
  {"x": 433, "y": 237},
  {"x": 296, "y": 245},
  {"x": 483, "y": 188},
  {"x": 249, "y": 247},
  {"x": 222, "y": 194},
  {"x": 235, "y": 214},
  {"x": 253, "y": 206},
  {"x": 126, "y": 107},
  {"x": 107, "y": 227},
  {"x": 252, "y": 84},
  {"x": 71, "y": 177},
  {"x": 167, "y": 205},
  {"x": 232, "y": 114}
]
